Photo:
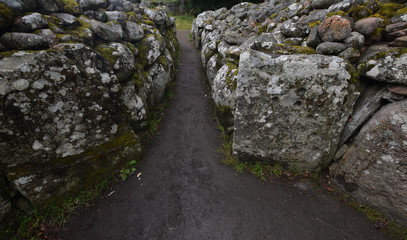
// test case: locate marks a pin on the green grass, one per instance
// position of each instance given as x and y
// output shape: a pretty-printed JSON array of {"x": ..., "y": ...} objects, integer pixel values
[{"x": 184, "y": 22}]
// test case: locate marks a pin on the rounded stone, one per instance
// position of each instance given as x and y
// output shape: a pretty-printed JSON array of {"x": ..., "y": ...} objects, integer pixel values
[
  {"x": 21, "y": 84},
  {"x": 367, "y": 26},
  {"x": 334, "y": 29}
]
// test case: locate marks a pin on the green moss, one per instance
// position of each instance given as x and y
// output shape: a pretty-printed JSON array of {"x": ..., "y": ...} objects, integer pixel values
[
  {"x": 71, "y": 6},
  {"x": 231, "y": 81},
  {"x": 339, "y": 13},
  {"x": 7, "y": 54},
  {"x": 314, "y": 23},
  {"x": 273, "y": 16},
  {"x": 81, "y": 31},
  {"x": 385, "y": 20},
  {"x": 107, "y": 53},
  {"x": 359, "y": 12},
  {"x": 388, "y": 10},
  {"x": 5, "y": 12},
  {"x": 354, "y": 75},
  {"x": 401, "y": 11},
  {"x": 163, "y": 61}
]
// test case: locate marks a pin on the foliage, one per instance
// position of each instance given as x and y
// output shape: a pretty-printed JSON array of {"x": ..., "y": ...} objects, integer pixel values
[
  {"x": 129, "y": 170},
  {"x": 184, "y": 22}
]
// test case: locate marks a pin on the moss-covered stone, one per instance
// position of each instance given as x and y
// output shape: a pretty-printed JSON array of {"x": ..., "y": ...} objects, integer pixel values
[
  {"x": 358, "y": 12},
  {"x": 107, "y": 53},
  {"x": 71, "y": 6},
  {"x": 5, "y": 12},
  {"x": 288, "y": 50},
  {"x": 314, "y": 23},
  {"x": 388, "y": 10}
]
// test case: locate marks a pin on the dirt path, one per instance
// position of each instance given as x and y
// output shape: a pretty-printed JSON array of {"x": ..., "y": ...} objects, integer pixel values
[{"x": 186, "y": 193}]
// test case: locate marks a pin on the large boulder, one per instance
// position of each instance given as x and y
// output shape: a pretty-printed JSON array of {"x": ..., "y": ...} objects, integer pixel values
[
  {"x": 111, "y": 31},
  {"x": 292, "y": 109},
  {"x": 62, "y": 104},
  {"x": 374, "y": 168},
  {"x": 30, "y": 22}
]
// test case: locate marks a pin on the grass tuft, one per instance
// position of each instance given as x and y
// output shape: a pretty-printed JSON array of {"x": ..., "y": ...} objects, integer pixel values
[{"x": 184, "y": 22}]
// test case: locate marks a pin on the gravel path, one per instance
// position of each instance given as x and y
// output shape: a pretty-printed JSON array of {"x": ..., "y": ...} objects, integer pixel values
[{"x": 186, "y": 193}]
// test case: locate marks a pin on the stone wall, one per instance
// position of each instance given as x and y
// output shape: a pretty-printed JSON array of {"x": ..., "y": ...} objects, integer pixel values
[
  {"x": 315, "y": 84},
  {"x": 77, "y": 79}
]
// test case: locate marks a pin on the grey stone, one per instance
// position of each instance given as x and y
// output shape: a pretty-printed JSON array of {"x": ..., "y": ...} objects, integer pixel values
[
  {"x": 399, "y": 18},
  {"x": 91, "y": 4},
  {"x": 396, "y": 30},
  {"x": 48, "y": 36},
  {"x": 355, "y": 40},
  {"x": 224, "y": 86},
  {"x": 313, "y": 39},
  {"x": 397, "y": 89},
  {"x": 341, "y": 151},
  {"x": 67, "y": 19},
  {"x": 118, "y": 16},
  {"x": 317, "y": 15},
  {"x": 374, "y": 169},
  {"x": 152, "y": 47},
  {"x": 212, "y": 67},
  {"x": 51, "y": 6},
  {"x": 134, "y": 31},
  {"x": 110, "y": 32},
  {"x": 321, "y": 4},
  {"x": 21, "y": 6},
  {"x": 351, "y": 54},
  {"x": 291, "y": 29},
  {"x": 23, "y": 41},
  {"x": 232, "y": 37},
  {"x": 330, "y": 48},
  {"x": 121, "y": 59},
  {"x": 280, "y": 114},
  {"x": 31, "y": 22},
  {"x": 367, "y": 104},
  {"x": 390, "y": 69}
]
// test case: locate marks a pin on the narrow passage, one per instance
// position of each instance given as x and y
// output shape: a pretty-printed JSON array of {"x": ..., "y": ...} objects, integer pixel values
[{"x": 186, "y": 193}]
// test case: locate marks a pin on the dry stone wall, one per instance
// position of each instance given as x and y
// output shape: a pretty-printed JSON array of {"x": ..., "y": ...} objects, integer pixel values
[
  {"x": 77, "y": 79},
  {"x": 315, "y": 84}
]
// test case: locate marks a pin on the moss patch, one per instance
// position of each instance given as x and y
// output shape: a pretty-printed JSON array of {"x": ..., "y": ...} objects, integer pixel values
[
  {"x": 71, "y": 6},
  {"x": 338, "y": 13},
  {"x": 359, "y": 12},
  {"x": 5, "y": 12},
  {"x": 314, "y": 23},
  {"x": 388, "y": 10},
  {"x": 107, "y": 53}
]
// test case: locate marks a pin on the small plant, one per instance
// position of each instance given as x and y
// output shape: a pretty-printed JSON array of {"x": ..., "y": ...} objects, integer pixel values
[
  {"x": 240, "y": 167},
  {"x": 126, "y": 172},
  {"x": 276, "y": 170}
]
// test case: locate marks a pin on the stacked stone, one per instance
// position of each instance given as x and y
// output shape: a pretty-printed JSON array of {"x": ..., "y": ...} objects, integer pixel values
[
  {"x": 315, "y": 84},
  {"x": 76, "y": 79}
]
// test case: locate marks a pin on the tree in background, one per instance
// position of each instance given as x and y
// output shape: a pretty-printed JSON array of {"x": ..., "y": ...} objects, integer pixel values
[{"x": 198, "y": 6}]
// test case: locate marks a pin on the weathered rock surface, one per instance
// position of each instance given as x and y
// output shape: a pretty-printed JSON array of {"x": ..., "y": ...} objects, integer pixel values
[
  {"x": 370, "y": 35},
  {"x": 291, "y": 116},
  {"x": 374, "y": 169},
  {"x": 71, "y": 104}
]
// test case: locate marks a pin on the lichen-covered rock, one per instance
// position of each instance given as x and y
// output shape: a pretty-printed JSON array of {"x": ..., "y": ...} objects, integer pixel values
[
  {"x": 389, "y": 67},
  {"x": 120, "y": 57},
  {"x": 355, "y": 40},
  {"x": 134, "y": 31},
  {"x": 373, "y": 170},
  {"x": 334, "y": 28},
  {"x": 67, "y": 19},
  {"x": 63, "y": 104},
  {"x": 151, "y": 47},
  {"x": 320, "y": 4},
  {"x": 292, "y": 109},
  {"x": 23, "y": 41},
  {"x": 224, "y": 86},
  {"x": 20, "y": 6},
  {"x": 110, "y": 32},
  {"x": 30, "y": 22}
]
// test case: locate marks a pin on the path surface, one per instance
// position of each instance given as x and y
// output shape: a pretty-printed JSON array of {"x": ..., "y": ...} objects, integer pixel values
[{"x": 186, "y": 193}]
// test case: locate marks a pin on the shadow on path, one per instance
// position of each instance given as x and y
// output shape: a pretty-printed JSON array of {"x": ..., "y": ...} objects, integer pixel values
[{"x": 186, "y": 193}]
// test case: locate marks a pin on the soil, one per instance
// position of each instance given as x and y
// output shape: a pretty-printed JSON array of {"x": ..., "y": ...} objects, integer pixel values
[{"x": 185, "y": 192}]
